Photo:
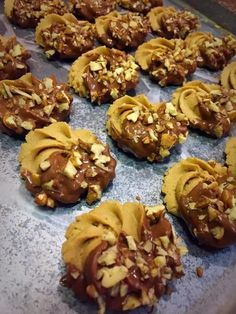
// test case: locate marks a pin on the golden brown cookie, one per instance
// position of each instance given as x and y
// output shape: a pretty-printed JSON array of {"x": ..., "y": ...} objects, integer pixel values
[
  {"x": 213, "y": 52},
  {"x": 27, "y": 13},
  {"x": 90, "y": 9},
  {"x": 171, "y": 23},
  {"x": 203, "y": 194},
  {"x": 205, "y": 106},
  {"x": 168, "y": 62},
  {"x": 13, "y": 58},
  {"x": 230, "y": 151},
  {"x": 28, "y": 103},
  {"x": 146, "y": 130},
  {"x": 64, "y": 36},
  {"x": 141, "y": 6},
  {"x": 103, "y": 74},
  {"x": 228, "y": 76},
  {"x": 121, "y": 256},
  {"x": 122, "y": 30},
  {"x": 60, "y": 164}
]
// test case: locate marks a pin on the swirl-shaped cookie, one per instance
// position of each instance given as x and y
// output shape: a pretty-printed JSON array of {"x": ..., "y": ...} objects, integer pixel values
[
  {"x": 213, "y": 52},
  {"x": 168, "y": 61},
  {"x": 28, "y": 103},
  {"x": 205, "y": 107},
  {"x": 103, "y": 74},
  {"x": 13, "y": 58},
  {"x": 144, "y": 129},
  {"x": 64, "y": 36},
  {"x": 90, "y": 9},
  {"x": 27, "y": 13},
  {"x": 203, "y": 194},
  {"x": 61, "y": 164},
  {"x": 141, "y": 6},
  {"x": 171, "y": 23},
  {"x": 122, "y": 31},
  {"x": 228, "y": 76},
  {"x": 121, "y": 256},
  {"x": 230, "y": 151}
]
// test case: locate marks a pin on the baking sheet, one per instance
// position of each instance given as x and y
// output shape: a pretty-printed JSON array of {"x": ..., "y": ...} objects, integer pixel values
[{"x": 31, "y": 237}]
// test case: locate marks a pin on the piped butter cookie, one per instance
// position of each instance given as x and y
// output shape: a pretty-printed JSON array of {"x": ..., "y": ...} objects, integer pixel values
[
  {"x": 122, "y": 30},
  {"x": 141, "y": 6},
  {"x": 206, "y": 107},
  {"x": 168, "y": 62},
  {"x": 27, "y": 13},
  {"x": 60, "y": 164},
  {"x": 228, "y": 76},
  {"x": 213, "y": 52},
  {"x": 171, "y": 23},
  {"x": 149, "y": 131},
  {"x": 91, "y": 9},
  {"x": 203, "y": 194},
  {"x": 64, "y": 36},
  {"x": 29, "y": 103},
  {"x": 121, "y": 256},
  {"x": 13, "y": 57},
  {"x": 104, "y": 74}
]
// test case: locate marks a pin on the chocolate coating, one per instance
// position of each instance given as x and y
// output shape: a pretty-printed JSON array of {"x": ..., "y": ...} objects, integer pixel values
[{"x": 13, "y": 58}]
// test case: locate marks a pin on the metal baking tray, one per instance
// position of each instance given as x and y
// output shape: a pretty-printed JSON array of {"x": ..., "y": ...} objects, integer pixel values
[{"x": 31, "y": 237}]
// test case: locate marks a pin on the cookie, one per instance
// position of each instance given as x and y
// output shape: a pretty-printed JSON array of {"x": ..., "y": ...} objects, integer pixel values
[
  {"x": 171, "y": 23},
  {"x": 121, "y": 256},
  {"x": 213, "y": 52},
  {"x": 149, "y": 131},
  {"x": 91, "y": 9},
  {"x": 228, "y": 76},
  {"x": 168, "y": 62},
  {"x": 61, "y": 165},
  {"x": 205, "y": 106},
  {"x": 141, "y": 6},
  {"x": 28, "y": 103},
  {"x": 203, "y": 194},
  {"x": 13, "y": 57},
  {"x": 103, "y": 74},
  {"x": 230, "y": 151},
  {"x": 27, "y": 13},
  {"x": 64, "y": 36},
  {"x": 122, "y": 30}
]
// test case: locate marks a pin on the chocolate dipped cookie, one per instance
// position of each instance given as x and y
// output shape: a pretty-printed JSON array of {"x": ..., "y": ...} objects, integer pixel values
[
  {"x": 208, "y": 107},
  {"x": 64, "y": 36},
  {"x": 213, "y": 52},
  {"x": 203, "y": 194},
  {"x": 149, "y": 131},
  {"x": 171, "y": 23},
  {"x": 29, "y": 103},
  {"x": 91, "y": 9},
  {"x": 121, "y": 256},
  {"x": 122, "y": 30},
  {"x": 141, "y": 6},
  {"x": 104, "y": 74},
  {"x": 27, "y": 13},
  {"x": 61, "y": 165},
  {"x": 168, "y": 62}
]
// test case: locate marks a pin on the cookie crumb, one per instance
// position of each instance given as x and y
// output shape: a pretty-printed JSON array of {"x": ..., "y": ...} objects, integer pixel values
[
  {"x": 199, "y": 272},
  {"x": 138, "y": 198}
]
